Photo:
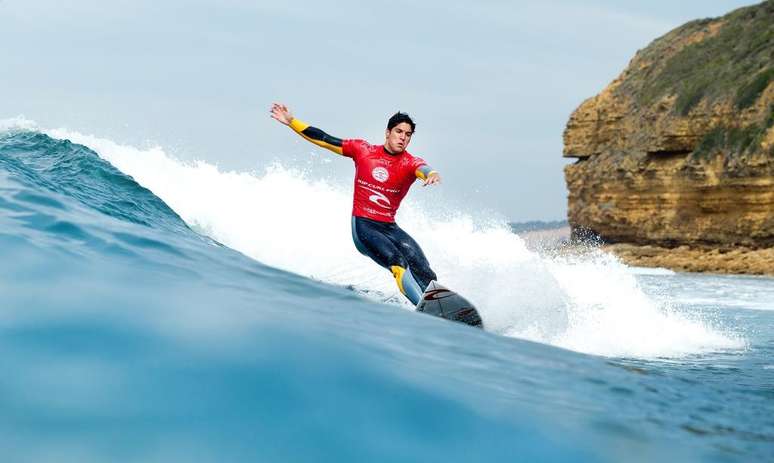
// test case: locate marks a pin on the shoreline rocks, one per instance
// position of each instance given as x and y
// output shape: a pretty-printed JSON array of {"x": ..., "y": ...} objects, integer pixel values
[{"x": 736, "y": 260}]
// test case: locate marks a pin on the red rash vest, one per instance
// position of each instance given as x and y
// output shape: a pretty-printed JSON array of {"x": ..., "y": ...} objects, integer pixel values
[{"x": 381, "y": 179}]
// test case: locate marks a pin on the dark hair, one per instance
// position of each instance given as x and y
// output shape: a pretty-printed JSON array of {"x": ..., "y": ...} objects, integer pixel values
[{"x": 399, "y": 118}]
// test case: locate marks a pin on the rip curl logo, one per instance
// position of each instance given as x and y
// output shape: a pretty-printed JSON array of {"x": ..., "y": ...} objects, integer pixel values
[
  {"x": 378, "y": 198},
  {"x": 380, "y": 174},
  {"x": 436, "y": 294}
]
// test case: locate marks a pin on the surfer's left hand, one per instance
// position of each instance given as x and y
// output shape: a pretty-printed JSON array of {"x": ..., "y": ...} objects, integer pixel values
[{"x": 432, "y": 179}]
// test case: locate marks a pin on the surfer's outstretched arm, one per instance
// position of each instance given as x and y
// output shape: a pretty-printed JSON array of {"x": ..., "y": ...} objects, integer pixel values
[
  {"x": 317, "y": 136},
  {"x": 312, "y": 134}
]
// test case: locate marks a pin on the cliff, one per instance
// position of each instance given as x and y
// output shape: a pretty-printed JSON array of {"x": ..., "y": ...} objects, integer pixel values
[{"x": 679, "y": 149}]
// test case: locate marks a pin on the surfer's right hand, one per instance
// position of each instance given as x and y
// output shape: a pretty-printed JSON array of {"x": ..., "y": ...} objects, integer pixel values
[{"x": 281, "y": 112}]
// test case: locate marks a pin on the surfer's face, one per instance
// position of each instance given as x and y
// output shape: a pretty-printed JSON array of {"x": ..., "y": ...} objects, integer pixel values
[{"x": 397, "y": 139}]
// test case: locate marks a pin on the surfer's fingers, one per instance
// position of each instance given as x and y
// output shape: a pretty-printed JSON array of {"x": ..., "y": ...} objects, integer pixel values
[{"x": 277, "y": 111}]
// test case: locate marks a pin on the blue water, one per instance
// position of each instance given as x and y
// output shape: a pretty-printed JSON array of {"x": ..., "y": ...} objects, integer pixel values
[{"x": 125, "y": 335}]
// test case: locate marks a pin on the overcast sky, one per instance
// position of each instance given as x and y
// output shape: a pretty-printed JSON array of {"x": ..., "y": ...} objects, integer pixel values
[{"x": 490, "y": 83}]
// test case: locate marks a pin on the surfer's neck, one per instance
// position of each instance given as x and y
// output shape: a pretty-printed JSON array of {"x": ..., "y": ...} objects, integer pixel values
[{"x": 390, "y": 152}]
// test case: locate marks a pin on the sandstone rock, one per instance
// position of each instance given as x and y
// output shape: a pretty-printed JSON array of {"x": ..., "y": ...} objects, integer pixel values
[
  {"x": 679, "y": 149},
  {"x": 698, "y": 259}
]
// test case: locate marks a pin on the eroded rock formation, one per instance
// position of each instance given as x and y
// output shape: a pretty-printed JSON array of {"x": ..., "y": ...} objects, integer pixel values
[{"x": 679, "y": 149}]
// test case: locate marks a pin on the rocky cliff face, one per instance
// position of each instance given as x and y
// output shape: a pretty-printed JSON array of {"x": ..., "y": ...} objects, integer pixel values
[{"x": 679, "y": 149}]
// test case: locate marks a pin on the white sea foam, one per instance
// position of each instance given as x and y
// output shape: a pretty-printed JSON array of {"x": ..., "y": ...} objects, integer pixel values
[
  {"x": 650, "y": 271},
  {"x": 18, "y": 123},
  {"x": 288, "y": 219}
]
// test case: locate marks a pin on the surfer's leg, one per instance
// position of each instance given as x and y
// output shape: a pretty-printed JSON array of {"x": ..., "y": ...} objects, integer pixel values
[
  {"x": 413, "y": 254},
  {"x": 372, "y": 239}
]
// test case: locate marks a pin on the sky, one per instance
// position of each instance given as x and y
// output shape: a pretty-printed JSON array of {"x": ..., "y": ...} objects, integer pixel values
[{"x": 490, "y": 84}]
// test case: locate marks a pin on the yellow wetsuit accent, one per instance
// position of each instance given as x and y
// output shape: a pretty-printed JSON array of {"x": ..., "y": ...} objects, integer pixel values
[
  {"x": 397, "y": 272},
  {"x": 316, "y": 136},
  {"x": 298, "y": 125},
  {"x": 407, "y": 283},
  {"x": 424, "y": 172}
]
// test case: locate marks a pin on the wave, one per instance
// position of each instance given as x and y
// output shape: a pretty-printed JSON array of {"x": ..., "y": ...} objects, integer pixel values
[
  {"x": 75, "y": 171},
  {"x": 289, "y": 219}
]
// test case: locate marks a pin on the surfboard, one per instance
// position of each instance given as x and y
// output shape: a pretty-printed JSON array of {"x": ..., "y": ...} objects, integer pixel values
[{"x": 445, "y": 303}]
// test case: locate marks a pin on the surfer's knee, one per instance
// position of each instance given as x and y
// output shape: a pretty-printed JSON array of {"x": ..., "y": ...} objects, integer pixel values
[{"x": 407, "y": 283}]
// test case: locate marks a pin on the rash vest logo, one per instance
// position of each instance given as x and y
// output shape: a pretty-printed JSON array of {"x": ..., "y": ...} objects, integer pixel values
[
  {"x": 378, "y": 198},
  {"x": 380, "y": 174}
]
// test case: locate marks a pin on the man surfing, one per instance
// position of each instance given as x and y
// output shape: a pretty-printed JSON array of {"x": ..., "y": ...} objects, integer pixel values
[{"x": 383, "y": 176}]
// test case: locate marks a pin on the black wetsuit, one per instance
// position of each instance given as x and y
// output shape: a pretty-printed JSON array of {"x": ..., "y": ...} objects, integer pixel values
[{"x": 388, "y": 245}]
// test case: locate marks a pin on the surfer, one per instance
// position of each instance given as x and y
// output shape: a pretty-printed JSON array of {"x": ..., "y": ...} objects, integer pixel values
[{"x": 383, "y": 176}]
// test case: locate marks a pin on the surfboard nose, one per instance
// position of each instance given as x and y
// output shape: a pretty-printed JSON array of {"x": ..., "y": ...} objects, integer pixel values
[{"x": 442, "y": 302}]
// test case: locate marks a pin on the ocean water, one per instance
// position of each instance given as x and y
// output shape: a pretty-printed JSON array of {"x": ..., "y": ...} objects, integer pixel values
[{"x": 159, "y": 310}]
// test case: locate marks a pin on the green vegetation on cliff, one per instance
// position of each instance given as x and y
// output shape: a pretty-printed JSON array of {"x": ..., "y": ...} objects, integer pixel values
[
  {"x": 749, "y": 93},
  {"x": 740, "y": 140},
  {"x": 734, "y": 60}
]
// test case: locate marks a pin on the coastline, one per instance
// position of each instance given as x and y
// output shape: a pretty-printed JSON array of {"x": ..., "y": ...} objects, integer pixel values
[
  {"x": 698, "y": 259},
  {"x": 687, "y": 258}
]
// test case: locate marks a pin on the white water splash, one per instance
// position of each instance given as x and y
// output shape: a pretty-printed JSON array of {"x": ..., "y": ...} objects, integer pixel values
[
  {"x": 286, "y": 218},
  {"x": 18, "y": 123}
]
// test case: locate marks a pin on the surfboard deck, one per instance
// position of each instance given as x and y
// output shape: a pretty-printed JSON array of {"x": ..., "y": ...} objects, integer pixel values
[{"x": 445, "y": 303}]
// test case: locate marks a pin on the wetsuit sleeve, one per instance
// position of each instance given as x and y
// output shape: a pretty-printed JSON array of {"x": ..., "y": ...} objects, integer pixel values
[
  {"x": 317, "y": 136},
  {"x": 422, "y": 170}
]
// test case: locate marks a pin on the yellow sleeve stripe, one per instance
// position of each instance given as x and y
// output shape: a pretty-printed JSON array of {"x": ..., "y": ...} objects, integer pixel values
[
  {"x": 299, "y": 127},
  {"x": 421, "y": 175},
  {"x": 397, "y": 272}
]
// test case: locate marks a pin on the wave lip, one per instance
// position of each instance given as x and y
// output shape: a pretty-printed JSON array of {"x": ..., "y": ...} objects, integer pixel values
[{"x": 75, "y": 171}]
